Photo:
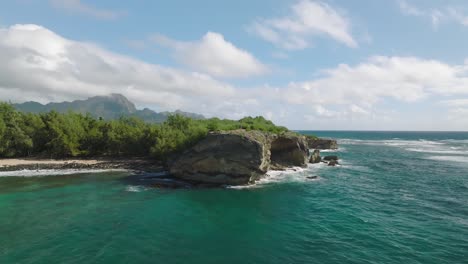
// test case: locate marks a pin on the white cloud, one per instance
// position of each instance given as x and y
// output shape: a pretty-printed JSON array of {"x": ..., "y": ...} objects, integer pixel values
[
  {"x": 437, "y": 16},
  {"x": 368, "y": 92},
  {"x": 323, "y": 112},
  {"x": 78, "y": 6},
  {"x": 307, "y": 20},
  {"x": 455, "y": 102},
  {"x": 405, "y": 79},
  {"x": 458, "y": 16},
  {"x": 215, "y": 56},
  {"x": 358, "y": 110},
  {"x": 408, "y": 9},
  {"x": 457, "y": 116},
  {"x": 37, "y": 64}
]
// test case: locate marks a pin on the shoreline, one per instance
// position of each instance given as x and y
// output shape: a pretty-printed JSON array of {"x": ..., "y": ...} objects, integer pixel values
[{"x": 138, "y": 165}]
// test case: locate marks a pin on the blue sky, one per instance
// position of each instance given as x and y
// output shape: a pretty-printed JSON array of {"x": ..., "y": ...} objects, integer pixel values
[{"x": 373, "y": 65}]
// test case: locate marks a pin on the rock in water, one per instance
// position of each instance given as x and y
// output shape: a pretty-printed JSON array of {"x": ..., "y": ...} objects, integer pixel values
[
  {"x": 239, "y": 157},
  {"x": 332, "y": 163},
  {"x": 329, "y": 158},
  {"x": 288, "y": 150},
  {"x": 320, "y": 143},
  {"x": 234, "y": 158},
  {"x": 315, "y": 158}
]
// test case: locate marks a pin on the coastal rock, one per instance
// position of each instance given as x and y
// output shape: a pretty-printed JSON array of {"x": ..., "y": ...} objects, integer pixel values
[
  {"x": 234, "y": 158},
  {"x": 332, "y": 163},
  {"x": 239, "y": 157},
  {"x": 288, "y": 150},
  {"x": 315, "y": 158},
  {"x": 321, "y": 143}
]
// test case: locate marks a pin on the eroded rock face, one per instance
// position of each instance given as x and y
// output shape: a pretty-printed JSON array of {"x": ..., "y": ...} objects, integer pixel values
[
  {"x": 288, "y": 150},
  {"x": 320, "y": 143},
  {"x": 315, "y": 157},
  {"x": 239, "y": 157},
  {"x": 234, "y": 158}
]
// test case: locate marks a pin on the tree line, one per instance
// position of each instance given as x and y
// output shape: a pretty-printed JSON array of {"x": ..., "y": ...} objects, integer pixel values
[{"x": 63, "y": 135}]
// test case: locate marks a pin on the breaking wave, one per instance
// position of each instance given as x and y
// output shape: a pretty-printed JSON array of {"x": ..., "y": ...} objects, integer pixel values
[
  {"x": 459, "y": 159},
  {"x": 450, "y": 147}
]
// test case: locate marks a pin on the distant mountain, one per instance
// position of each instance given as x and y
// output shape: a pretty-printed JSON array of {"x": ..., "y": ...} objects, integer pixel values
[{"x": 107, "y": 107}]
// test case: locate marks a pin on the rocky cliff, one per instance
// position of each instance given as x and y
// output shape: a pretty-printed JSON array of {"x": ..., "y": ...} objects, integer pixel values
[
  {"x": 239, "y": 157},
  {"x": 321, "y": 143}
]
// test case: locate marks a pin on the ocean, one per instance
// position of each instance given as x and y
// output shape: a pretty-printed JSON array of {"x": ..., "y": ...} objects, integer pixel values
[{"x": 397, "y": 197}]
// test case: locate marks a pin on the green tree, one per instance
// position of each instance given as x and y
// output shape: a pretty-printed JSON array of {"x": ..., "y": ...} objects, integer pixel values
[
  {"x": 71, "y": 134},
  {"x": 15, "y": 142}
]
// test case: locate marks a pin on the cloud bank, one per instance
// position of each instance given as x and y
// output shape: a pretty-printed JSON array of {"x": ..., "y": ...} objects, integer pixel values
[
  {"x": 38, "y": 64},
  {"x": 215, "y": 56}
]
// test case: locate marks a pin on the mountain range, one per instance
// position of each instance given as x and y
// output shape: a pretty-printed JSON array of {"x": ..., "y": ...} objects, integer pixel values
[{"x": 108, "y": 107}]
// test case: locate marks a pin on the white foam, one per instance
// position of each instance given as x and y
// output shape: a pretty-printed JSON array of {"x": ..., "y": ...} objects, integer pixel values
[
  {"x": 389, "y": 142},
  {"x": 458, "y": 141},
  {"x": 439, "y": 151},
  {"x": 41, "y": 173},
  {"x": 356, "y": 167},
  {"x": 460, "y": 159},
  {"x": 332, "y": 150},
  {"x": 296, "y": 174},
  {"x": 449, "y": 147},
  {"x": 133, "y": 188}
]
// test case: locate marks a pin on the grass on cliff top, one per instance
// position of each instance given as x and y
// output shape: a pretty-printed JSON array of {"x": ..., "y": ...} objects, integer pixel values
[
  {"x": 57, "y": 135},
  {"x": 311, "y": 137}
]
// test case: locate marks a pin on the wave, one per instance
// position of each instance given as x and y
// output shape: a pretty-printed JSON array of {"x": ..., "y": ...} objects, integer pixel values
[
  {"x": 389, "y": 142},
  {"x": 295, "y": 174},
  {"x": 341, "y": 150},
  {"x": 359, "y": 168},
  {"x": 451, "y": 147},
  {"x": 42, "y": 173},
  {"x": 133, "y": 188},
  {"x": 465, "y": 141},
  {"x": 440, "y": 151},
  {"x": 459, "y": 159}
]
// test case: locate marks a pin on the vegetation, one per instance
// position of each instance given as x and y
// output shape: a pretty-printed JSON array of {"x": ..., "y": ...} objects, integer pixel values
[
  {"x": 313, "y": 137},
  {"x": 61, "y": 135}
]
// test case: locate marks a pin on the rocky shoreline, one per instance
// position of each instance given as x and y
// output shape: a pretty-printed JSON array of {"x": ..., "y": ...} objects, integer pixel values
[
  {"x": 137, "y": 165},
  {"x": 241, "y": 157},
  {"x": 238, "y": 157}
]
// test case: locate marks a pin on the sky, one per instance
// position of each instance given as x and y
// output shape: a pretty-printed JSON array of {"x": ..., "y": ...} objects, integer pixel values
[{"x": 304, "y": 64}]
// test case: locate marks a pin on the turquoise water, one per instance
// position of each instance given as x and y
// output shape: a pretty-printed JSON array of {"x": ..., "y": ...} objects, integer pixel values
[{"x": 396, "y": 198}]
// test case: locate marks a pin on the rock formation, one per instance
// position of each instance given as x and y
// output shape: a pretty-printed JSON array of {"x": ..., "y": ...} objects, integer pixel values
[
  {"x": 315, "y": 157},
  {"x": 332, "y": 160},
  {"x": 320, "y": 143},
  {"x": 239, "y": 157},
  {"x": 288, "y": 150}
]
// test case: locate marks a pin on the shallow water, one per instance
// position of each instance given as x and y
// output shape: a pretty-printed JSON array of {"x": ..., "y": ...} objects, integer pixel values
[{"x": 396, "y": 198}]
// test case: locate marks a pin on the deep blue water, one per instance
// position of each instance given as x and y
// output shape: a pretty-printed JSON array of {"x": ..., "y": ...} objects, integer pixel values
[{"x": 398, "y": 197}]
